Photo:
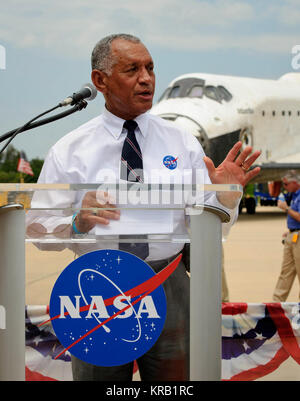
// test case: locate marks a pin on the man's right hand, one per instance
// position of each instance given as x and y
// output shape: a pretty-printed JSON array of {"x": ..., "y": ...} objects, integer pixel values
[{"x": 99, "y": 201}]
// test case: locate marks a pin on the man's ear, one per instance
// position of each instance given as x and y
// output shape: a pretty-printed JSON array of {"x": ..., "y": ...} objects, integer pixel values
[{"x": 99, "y": 80}]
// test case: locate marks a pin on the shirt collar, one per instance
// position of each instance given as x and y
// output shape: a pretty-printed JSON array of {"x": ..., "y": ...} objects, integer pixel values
[{"x": 114, "y": 124}]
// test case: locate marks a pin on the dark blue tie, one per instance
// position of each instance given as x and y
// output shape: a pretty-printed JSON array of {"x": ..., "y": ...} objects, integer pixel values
[
  {"x": 132, "y": 170},
  {"x": 131, "y": 159}
]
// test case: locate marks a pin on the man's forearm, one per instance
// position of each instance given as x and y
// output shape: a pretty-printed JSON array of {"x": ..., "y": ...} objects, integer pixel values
[
  {"x": 295, "y": 215},
  {"x": 229, "y": 199}
]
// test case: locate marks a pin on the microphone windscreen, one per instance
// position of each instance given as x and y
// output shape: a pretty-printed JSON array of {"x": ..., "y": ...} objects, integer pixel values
[{"x": 92, "y": 89}]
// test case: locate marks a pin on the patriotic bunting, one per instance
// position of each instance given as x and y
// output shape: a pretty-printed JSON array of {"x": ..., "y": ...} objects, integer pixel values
[{"x": 256, "y": 340}]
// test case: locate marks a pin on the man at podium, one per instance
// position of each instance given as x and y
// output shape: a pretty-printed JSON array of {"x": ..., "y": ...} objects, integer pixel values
[{"x": 130, "y": 142}]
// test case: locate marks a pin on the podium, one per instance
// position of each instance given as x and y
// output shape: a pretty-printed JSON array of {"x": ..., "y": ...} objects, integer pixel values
[{"x": 164, "y": 218}]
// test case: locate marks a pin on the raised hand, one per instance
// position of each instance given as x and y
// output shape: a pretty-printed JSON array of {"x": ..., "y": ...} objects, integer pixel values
[{"x": 235, "y": 168}]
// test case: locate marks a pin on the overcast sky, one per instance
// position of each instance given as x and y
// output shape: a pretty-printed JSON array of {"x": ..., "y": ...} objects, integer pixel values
[{"x": 48, "y": 46}]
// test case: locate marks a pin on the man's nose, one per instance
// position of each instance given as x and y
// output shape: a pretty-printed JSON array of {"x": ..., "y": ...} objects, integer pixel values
[{"x": 144, "y": 76}]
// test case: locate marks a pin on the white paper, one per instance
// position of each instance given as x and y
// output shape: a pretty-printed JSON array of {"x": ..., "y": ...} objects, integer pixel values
[{"x": 139, "y": 221}]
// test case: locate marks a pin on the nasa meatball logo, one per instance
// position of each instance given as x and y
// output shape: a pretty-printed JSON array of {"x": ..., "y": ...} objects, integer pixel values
[
  {"x": 170, "y": 162},
  {"x": 108, "y": 307}
]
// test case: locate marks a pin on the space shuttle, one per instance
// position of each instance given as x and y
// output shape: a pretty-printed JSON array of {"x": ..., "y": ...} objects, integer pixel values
[{"x": 221, "y": 110}]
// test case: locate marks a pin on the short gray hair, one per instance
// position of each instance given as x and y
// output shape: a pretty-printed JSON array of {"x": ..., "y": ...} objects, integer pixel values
[
  {"x": 292, "y": 175},
  {"x": 102, "y": 58}
]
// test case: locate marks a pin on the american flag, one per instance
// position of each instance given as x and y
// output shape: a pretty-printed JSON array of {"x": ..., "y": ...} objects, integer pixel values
[
  {"x": 256, "y": 340},
  {"x": 24, "y": 165},
  {"x": 42, "y": 346}
]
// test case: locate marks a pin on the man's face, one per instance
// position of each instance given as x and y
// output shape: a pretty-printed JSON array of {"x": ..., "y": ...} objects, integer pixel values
[
  {"x": 290, "y": 186},
  {"x": 129, "y": 90}
]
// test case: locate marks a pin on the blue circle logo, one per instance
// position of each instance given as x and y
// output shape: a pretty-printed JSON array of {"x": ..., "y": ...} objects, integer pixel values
[
  {"x": 108, "y": 307},
  {"x": 170, "y": 162}
]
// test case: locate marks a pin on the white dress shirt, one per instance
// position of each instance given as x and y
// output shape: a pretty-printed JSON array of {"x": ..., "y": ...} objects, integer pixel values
[{"x": 85, "y": 155}]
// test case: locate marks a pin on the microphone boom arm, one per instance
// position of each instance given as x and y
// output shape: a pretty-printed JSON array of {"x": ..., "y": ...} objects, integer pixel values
[{"x": 78, "y": 106}]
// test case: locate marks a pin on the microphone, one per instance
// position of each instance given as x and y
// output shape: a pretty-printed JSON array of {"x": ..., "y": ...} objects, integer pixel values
[{"x": 88, "y": 92}]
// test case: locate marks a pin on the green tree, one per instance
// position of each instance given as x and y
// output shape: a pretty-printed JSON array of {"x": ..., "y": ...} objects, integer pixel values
[{"x": 10, "y": 159}]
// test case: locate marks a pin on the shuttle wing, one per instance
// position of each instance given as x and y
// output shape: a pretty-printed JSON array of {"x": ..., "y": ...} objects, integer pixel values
[{"x": 274, "y": 171}]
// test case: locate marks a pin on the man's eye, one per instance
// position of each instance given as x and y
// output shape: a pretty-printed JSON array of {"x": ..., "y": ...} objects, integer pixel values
[{"x": 132, "y": 69}]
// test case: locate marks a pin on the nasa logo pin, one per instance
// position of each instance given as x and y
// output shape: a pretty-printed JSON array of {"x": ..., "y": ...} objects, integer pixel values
[
  {"x": 108, "y": 307},
  {"x": 170, "y": 162}
]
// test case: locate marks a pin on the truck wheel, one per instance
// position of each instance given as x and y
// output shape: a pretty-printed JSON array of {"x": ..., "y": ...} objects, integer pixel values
[{"x": 250, "y": 205}]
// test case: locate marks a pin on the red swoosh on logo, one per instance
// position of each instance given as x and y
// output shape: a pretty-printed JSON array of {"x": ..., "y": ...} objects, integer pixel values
[{"x": 145, "y": 288}]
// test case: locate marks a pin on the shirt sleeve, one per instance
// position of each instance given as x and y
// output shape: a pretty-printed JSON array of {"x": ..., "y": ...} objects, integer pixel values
[{"x": 53, "y": 207}]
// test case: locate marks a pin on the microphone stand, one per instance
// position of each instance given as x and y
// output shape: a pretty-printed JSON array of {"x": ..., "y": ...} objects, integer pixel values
[{"x": 31, "y": 124}]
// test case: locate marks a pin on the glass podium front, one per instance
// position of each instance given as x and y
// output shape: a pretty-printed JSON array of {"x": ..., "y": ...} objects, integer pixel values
[{"x": 103, "y": 293}]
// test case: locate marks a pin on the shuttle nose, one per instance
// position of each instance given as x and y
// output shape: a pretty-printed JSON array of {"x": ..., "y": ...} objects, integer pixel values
[
  {"x": 217, "y": 147},
  {"x": 189, "y": 125}
]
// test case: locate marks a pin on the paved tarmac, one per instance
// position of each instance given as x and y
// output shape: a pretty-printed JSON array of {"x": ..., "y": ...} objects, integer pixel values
[
  {"x": 252, "y": 260},
  {"x": 253, "y": 255}
]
